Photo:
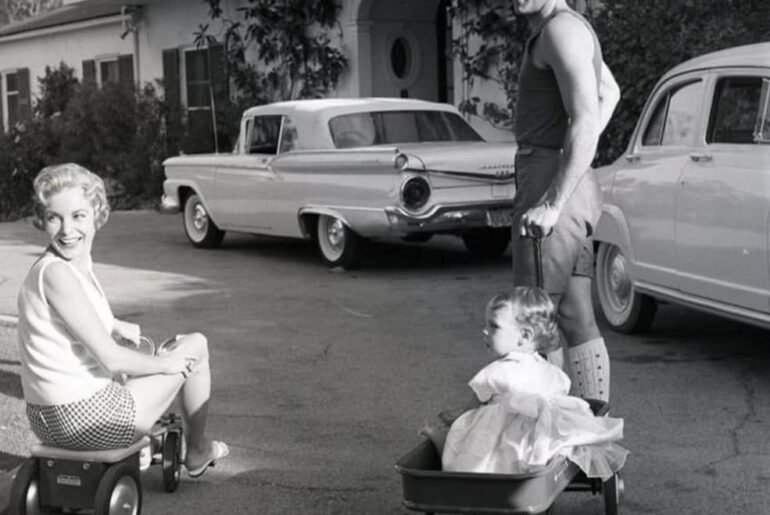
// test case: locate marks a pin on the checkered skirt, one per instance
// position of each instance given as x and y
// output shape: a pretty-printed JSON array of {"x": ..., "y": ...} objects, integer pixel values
[{"x": 103, "y": 421}]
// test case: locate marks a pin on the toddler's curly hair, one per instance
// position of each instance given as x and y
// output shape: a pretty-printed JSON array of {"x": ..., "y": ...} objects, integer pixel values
[
  {"x": 53, "y": 179},
  {"x": 531, "y": 307}
]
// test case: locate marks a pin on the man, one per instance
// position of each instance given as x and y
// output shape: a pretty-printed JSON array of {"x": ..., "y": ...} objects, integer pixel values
[{"x": 566, "y": 95}]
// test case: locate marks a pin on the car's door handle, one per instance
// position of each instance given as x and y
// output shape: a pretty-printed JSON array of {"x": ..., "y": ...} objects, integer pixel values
[
  {"x": 701, "y": 158},
  {"x": 632, "y": 158}
]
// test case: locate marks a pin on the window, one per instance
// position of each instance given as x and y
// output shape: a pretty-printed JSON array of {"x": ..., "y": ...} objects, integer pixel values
[
  {"x": 735, "y": 110},
  {"x": 675, "y": 117},
  {"x": 108, "y": 72},
  {"x": 263, "y": 137},
  {"x": 388, "y": 127},
  {"x": 198, "y": 79},
  {"x": 12, "y": 98}
]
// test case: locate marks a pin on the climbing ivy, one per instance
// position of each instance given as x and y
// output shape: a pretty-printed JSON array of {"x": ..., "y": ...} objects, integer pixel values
[
  {"x": 488, "y": 45},
  {"x": 295, "y": 55}
]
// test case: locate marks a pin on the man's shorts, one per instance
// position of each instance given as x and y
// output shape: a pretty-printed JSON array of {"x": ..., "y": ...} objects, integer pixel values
[{"x": 569, "y": 250}]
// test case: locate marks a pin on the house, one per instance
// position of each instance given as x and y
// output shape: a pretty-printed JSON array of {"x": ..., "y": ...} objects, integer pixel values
[{"x": 394, "y": 47}]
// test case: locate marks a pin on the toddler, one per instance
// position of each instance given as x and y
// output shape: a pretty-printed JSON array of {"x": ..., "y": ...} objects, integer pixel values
[{"x": 524, "y": 415}]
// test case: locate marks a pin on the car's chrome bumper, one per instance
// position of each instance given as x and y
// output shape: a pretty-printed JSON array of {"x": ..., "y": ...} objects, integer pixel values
[
  {"x": 451, "y": 218},
  {"x": 169, "y": 204}
]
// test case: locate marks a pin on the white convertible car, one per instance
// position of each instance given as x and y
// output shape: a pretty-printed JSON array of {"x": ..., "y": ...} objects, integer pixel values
[{"x": 341, "y": 171}]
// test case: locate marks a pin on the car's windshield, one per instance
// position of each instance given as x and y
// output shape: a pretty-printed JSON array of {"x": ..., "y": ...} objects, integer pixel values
[{"x": 390, "y": 127}]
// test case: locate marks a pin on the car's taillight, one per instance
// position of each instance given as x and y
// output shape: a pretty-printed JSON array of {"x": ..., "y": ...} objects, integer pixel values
[
  {"x": 400, "y": 162},
  {"x": 415, "y": 193}
]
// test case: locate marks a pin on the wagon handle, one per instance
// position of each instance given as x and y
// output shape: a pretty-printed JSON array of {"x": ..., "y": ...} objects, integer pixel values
[{"x": 536, "y": 244}]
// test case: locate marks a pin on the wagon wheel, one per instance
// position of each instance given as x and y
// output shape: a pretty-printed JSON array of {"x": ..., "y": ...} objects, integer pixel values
[
  {"x": 613, "y": 489},
  {"x": 625, "y": 309},
  {"x": 172, "y": 461},
  {"x": 198, "y": 225},
  {"x": 119, "y": 491},
  {"x": 25, "y": 498},
  {"x": 338, "y": 244}
]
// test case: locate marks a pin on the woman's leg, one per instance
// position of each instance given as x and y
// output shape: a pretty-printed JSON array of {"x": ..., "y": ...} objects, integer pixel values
[{"x": 154, "y": 394}]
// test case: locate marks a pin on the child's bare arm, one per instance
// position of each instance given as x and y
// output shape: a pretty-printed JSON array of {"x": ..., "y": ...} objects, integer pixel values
[{"x": 448, "y": 416}]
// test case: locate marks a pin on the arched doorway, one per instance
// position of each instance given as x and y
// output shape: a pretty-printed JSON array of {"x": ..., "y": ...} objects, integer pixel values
[{"x": 403, "y": 49}]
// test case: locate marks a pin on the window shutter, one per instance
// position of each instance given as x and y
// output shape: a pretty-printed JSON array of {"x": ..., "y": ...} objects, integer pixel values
[
  {"x": 126, "y": 70},
  {"x": 25, "y": 101},
  {"x": 171, "y": 78},
  {"x": 89, "y": 72},
  {"x": 220, "y": 81},
  {"x": 2, "y": 102}
]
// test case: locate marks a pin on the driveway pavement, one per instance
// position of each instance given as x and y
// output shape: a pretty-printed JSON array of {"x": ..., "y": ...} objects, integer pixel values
[{"x": 321, "y": 379}]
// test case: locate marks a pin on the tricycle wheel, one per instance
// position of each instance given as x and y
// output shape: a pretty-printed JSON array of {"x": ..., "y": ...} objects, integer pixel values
[
  {"x": 119, "y": 491},
  {"x": 613, "y": 489},
  {"x": 198, "y": 225},
  {"x": 487, "y": 242},
  {"x": 25, "y": 498},
  {"x": 172, "y": 461},
  {"x": 338, "y": 244}
]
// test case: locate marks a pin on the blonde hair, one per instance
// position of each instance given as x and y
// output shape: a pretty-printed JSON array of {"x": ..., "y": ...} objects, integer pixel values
[
  {"x": 532, "y": 308},
  {"x": 55, "y": 178}
]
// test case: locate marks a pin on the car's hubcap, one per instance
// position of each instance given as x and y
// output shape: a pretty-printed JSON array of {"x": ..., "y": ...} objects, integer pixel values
[
  {"x": 125, "y": 497},
  {"x": 618, "y": 280},
  {"x": 199, "y": 217},
  {"x": 335, "y": 233}
]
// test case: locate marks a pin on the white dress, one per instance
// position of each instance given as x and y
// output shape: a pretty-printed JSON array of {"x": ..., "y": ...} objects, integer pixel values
[{"x": 528, "y": 419}]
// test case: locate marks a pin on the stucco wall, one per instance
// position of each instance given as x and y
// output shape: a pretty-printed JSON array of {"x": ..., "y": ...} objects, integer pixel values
[{"x": 71, "y": 47}]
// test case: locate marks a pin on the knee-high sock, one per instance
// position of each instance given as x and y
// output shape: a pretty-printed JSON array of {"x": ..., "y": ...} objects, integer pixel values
[{"x": 589, "y": 370}]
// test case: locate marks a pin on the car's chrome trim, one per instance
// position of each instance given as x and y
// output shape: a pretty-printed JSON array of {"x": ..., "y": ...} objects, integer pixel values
[
  {"x": 477, "y": 176},
  {"x": 443, "y": 208},
  {"x": 709, "y": 306},
  {"x": 169, "y": 204}
]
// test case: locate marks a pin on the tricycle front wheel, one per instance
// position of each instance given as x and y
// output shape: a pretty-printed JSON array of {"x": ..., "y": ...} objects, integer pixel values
[{"x": 25, "y": 498}]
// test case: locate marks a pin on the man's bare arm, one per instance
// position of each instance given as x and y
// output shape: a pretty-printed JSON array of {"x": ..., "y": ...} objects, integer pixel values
[
  {"x": 609, "y": 94},
  {"x": 567, "y": 47}
]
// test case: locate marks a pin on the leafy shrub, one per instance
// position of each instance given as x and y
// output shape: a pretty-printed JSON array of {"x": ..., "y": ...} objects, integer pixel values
[
  {"x": 120, "y": 133},
  {"x": 642, "y": 40}
]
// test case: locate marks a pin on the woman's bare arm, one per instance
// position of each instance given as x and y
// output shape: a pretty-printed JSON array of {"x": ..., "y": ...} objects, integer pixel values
[{"x": 66, "y": 296}]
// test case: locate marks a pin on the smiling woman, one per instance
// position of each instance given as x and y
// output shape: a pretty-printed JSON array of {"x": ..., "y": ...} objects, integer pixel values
[{"x": 70, "y": 356}]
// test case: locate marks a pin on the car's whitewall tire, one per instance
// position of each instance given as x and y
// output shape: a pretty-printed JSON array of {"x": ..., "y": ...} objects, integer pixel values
[
  {"x": 624, "y": 309},
  {"x": 339, "y": 245},
  {"x": 198, "y": 225}
]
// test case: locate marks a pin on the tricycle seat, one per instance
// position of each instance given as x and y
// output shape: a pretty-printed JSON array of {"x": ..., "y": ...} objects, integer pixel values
[{"x": 109, "y": 456}]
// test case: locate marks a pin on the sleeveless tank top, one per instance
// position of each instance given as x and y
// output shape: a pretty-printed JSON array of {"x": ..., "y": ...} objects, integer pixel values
[
  {"x": 55, "y": 368},
  {"x": 539, "y": 117}
]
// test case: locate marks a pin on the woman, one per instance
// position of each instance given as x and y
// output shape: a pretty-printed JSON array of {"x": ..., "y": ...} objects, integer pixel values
[{"x": 66, "y": 336}]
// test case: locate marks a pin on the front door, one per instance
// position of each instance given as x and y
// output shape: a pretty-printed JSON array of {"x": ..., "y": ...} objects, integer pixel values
[
  {"x": 724, "y": 199},
  {"x": 247, "y": 178},
  {"x": 646, "y": 187}
]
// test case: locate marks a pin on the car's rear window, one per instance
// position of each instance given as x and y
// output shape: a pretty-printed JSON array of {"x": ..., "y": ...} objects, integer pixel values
[{"x": 390, "y": 127}]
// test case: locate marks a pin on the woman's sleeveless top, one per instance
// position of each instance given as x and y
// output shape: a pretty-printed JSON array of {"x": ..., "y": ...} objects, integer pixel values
[
  {"x": 540, "y": 119},
  {"x": 55, "y": 368}
]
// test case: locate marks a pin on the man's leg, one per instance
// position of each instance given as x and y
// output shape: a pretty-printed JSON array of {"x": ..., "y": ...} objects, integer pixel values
[{"x": 588, "y": 363}]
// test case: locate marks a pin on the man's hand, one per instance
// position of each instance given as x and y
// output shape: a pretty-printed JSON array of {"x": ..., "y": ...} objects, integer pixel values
[{"x": 539, "y": 220}]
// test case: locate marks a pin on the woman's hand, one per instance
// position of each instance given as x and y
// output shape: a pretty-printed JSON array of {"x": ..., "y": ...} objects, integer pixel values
[
  {"x": 127, "y": 331},
  {"x": 177, "y": 364}
]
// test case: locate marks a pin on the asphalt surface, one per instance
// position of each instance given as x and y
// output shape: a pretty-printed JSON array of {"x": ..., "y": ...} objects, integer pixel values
[{"x": 322, "y": 378}]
